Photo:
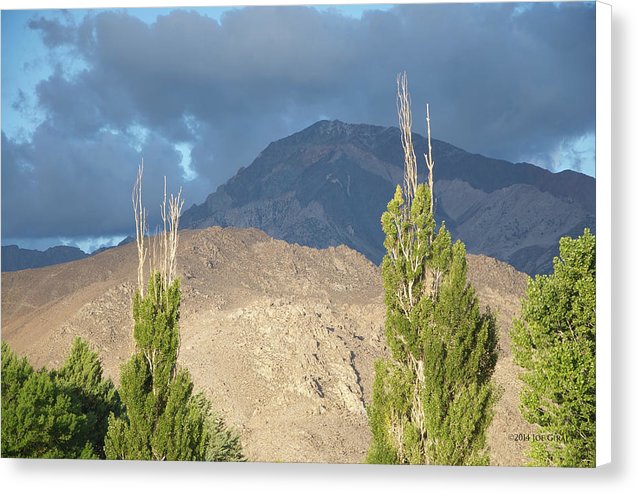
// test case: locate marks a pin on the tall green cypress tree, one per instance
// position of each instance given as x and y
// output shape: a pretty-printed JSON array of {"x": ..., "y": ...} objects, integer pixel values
[
  {"x": 554, "y": 342},
  {"x": 433, "y": 399},
  {"x": 163, "y": 419}
]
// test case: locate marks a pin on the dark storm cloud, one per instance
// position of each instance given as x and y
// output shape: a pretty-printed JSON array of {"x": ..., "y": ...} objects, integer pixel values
[
  {"x": 500, "y": 81},
  {"x": 79, "y": 188}
]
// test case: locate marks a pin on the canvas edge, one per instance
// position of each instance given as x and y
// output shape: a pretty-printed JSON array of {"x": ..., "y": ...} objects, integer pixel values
[{"x": 603, "y": 167}]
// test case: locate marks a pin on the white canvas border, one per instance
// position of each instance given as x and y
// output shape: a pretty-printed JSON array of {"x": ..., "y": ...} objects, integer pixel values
[
  {"x": 603, "y": 231},
  {"x": 261, "y": 477}
]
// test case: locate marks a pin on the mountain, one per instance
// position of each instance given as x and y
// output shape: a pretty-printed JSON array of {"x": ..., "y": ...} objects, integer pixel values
[
  {"x": 282, "y": 338},
  {"x": 16, "y": 258},
  {"x": 329, "y": 184}
]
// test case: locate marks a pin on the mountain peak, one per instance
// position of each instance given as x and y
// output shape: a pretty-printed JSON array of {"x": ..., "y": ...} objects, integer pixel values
[
  {"x": 336, "y": 132},
  {"x": 340, "y": 127}
]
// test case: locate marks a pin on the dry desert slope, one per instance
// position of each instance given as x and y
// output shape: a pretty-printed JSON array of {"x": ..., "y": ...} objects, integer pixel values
[{"x": 282, "y": 338}]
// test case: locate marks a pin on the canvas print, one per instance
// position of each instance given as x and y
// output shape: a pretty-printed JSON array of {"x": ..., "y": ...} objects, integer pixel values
[{"x": 334, "y": 233}]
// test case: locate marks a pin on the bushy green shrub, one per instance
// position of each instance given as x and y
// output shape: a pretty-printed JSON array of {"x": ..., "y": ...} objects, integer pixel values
[{"x": 554, "y": 342}]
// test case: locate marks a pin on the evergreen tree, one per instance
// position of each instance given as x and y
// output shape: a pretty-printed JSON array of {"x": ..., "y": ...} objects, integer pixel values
[
  {"x": 55, "y": 414},
  {"x": 163, "y": 419},
  {"x": 224, "y": 444},
  {"x": 554, "y": 342},
  {"x": 15, "y": 371},
  {"x": 97, "y": 399},
  {"x": 433, "y": 399}
]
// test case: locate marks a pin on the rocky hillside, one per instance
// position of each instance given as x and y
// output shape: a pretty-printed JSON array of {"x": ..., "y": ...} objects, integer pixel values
[
  {"x": 329, "y": 184},
  {"x": 281, "y": 337}
]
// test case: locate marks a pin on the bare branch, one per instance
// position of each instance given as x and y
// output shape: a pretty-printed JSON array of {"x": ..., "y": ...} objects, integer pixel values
[
  {"x": 162, "y": 256},
  {"x": 170, "y": 209},
  {"x": 403, "y": 105},
  {"x": 430, "y": 164},
  {"x": 164, "y": 239},
  {"x": 140, "y": 227},
  {"x": 175, "y": 206}
]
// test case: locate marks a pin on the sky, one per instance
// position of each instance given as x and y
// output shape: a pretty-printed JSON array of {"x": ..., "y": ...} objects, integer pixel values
[{"x": 199, "y": 92}]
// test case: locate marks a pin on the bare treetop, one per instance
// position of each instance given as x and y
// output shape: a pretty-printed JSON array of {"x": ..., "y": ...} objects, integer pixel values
[{"x": 163, "y": 250}]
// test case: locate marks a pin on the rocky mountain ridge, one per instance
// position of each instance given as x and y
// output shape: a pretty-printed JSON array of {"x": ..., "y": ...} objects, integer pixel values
[
  {"x": 329, "y": 184},
  {"x": 16, "y": 258}
]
